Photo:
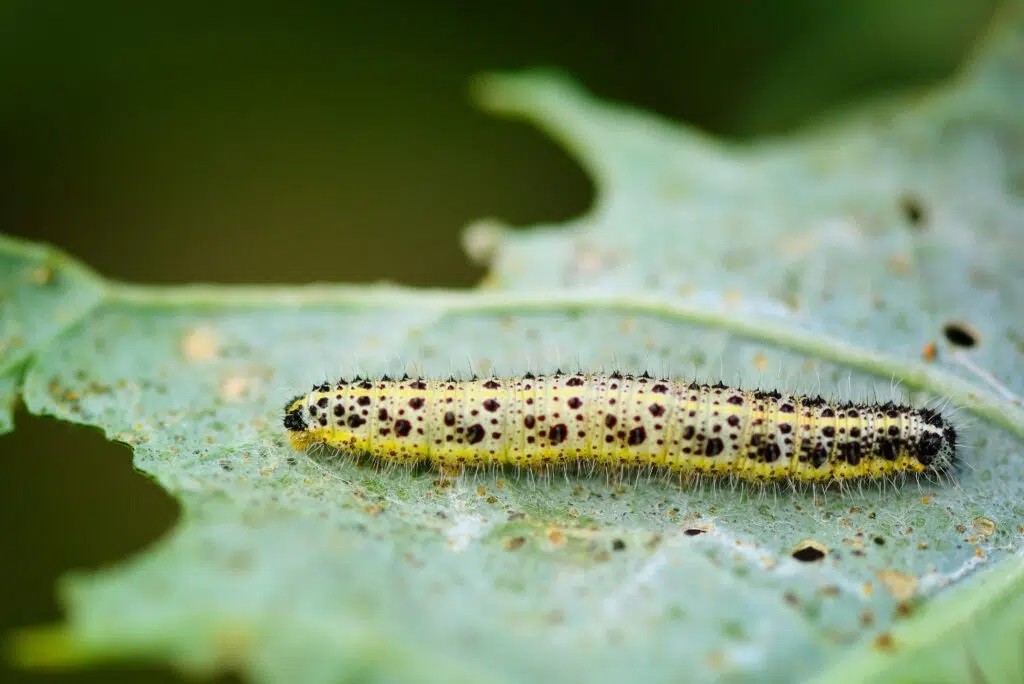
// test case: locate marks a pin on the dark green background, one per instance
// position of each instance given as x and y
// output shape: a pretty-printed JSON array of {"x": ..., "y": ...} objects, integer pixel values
[{"x": 170, "y": 142}]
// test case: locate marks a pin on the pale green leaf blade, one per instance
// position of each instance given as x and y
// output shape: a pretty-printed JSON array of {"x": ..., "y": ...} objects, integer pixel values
[
  {"x": 42, "y": 293},
  {"x": 974, "y": 634}
]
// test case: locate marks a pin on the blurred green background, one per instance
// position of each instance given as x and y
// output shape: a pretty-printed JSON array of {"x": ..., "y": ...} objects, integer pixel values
[{"x": 173, "y": 142}]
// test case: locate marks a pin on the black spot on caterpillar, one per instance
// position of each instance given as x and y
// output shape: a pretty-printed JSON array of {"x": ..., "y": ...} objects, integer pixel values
[{"x": 621, "y": 421}]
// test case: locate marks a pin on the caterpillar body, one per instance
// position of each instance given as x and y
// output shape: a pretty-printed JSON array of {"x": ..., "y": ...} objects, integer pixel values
[{"x": 620, "y": 421}]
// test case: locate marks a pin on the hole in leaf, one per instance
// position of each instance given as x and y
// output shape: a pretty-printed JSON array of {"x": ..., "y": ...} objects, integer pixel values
[
  {"x": 60, "y": 513},
  {"x": 960, "y": 334},
  {"x": 809, "y": 551}
]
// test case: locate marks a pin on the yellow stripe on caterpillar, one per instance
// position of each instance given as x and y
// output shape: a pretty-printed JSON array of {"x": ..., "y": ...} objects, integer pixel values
[{"x": 620, "y": 421}]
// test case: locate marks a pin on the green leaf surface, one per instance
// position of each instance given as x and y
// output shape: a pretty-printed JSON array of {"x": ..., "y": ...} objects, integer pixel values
[
  {"x": 972, "y": 634},
  {"x": 42, "y": 293},
  {"x": 823, "y": 262},
  {"x": 9, "y": 392}
]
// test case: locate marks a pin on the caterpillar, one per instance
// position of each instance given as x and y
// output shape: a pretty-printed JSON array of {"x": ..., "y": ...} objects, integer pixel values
[{"x": 620, "y": 421}]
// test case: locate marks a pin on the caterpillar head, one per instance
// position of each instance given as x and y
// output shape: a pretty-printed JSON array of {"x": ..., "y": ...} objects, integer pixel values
[
  {"x": 936, "y": 448},
  {"x": 296, "y": 421}
]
